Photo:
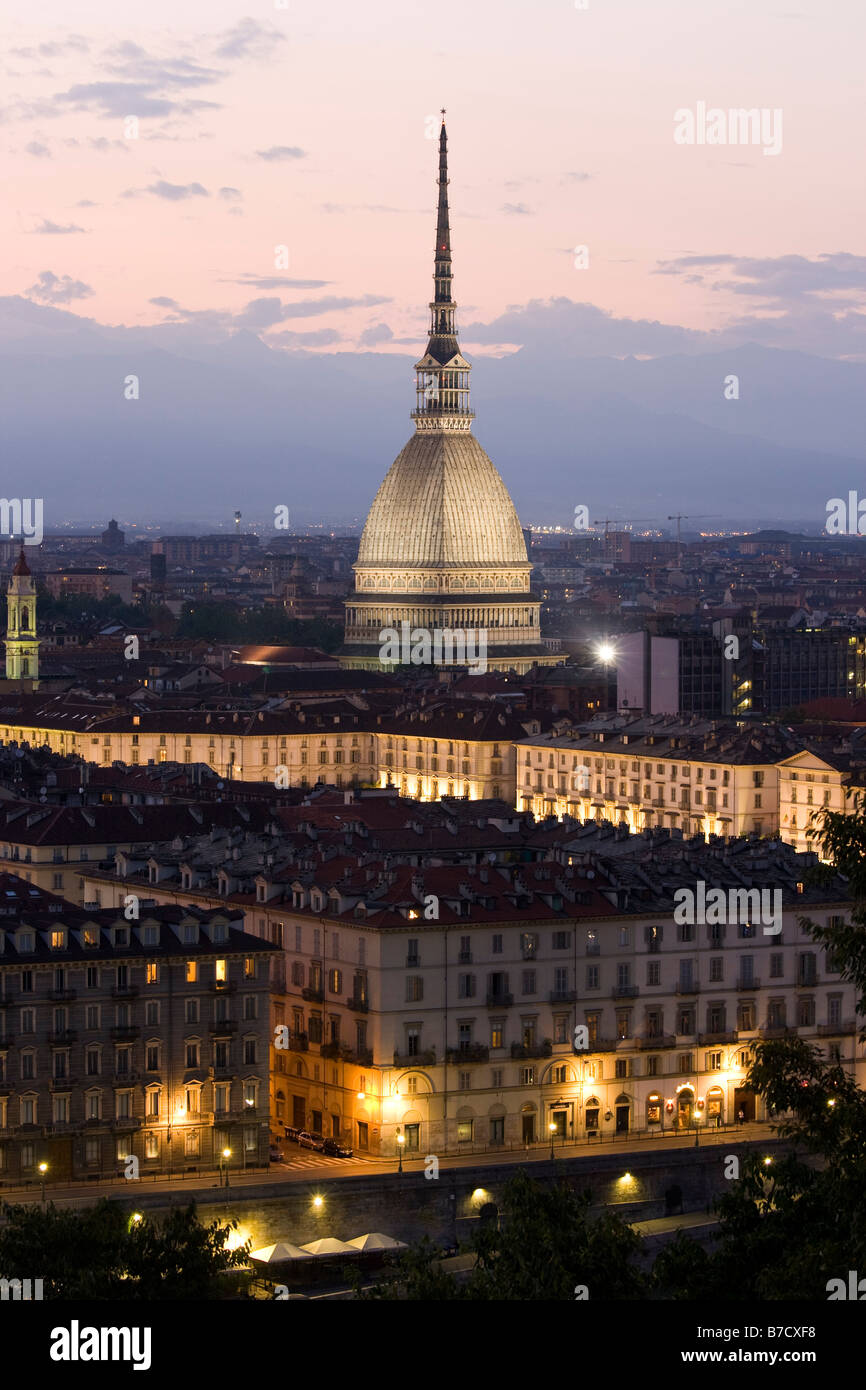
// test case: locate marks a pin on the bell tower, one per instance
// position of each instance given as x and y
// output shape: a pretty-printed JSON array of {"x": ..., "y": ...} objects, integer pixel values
[{"x": 22, "y": 644}]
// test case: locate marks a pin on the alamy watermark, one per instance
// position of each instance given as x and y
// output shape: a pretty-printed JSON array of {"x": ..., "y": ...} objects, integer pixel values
[
  {"x": 738, "y": 906},
  {"x": 441, "y": 646},
  {"x": 714, "y": 125},
  {"x": 22, "y": 516}
]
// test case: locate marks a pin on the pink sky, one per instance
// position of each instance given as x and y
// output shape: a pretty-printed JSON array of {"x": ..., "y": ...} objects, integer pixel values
[{"x": 539, "y": 96}]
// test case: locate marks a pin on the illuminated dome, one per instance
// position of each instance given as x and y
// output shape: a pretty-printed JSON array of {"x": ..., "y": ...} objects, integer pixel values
[
  {"x": 443, "y": 550},
  {"x": 443, "y": 503}
]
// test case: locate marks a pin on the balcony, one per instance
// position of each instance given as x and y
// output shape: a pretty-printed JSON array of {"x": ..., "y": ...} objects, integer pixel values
[
  {"x": 464, "y": 957},
  {"x": 836, "y": 1030},
  {"x": 601, "y": 1045},
  {"x": 125, "y": 992},
  {"x": 61, "y": 995},
  {"x": 62, "y": 1083},
  {"x": 625, "y": 991},
  {"x": 125, "y": 1032},
  {"x": 224, "y": 987},
  {"x": 223, "y": 1027},
  {"x": 62, "y": 1035},
  {"x": 313, "y": 996},
  {"x": 500, "y": 1001},
  {"x": 125, "y": 1122},
  {"x": 806, "y": 981},
  {"x": 299, "y": 1042},
  {"x": 748, "y": 984},
  {"x": 472, "y": 1052},
  {"x": 333, "y": 1049},
  {"x": 520, "y": 1051},
  {"x": 358, "y": 1004},
  {"x": 777, "y": 1030},
  {"x": 125, "y": 1078},
  {"x": 427, "y": 1058},
  {"x": 650, "y": 1042},
  {"x": 683, "y": 988},
  {"x": 562, "y": 996},
  {"x": 714, "y": 1039}
]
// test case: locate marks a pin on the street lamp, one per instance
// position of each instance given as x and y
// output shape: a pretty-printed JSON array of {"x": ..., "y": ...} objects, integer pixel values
[
  {"x": 401, "y": 1140},
  {"x": 226, "y": 1155},
  {"x": 43, "y": 1169},
  {"x": 552, "y": 1129}
]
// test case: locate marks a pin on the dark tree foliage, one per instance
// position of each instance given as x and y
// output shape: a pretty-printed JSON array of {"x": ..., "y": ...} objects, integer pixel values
[
  {"x": 546, "y": 1245},
  {"x": 101, "y": 1253},
  {"x": 224, "y": 622}
]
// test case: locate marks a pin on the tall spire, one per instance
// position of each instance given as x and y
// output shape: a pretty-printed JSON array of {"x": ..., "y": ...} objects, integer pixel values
[{"x": 442, "y": 380}]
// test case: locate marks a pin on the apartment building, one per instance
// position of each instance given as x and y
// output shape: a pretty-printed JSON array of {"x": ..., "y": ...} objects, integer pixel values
[
  {"x": 122, "y": 1040},
  {"x": 700, "y": 777},
  {"x": 439, "y": 1001},
  {"x": 444, "y": 749}
]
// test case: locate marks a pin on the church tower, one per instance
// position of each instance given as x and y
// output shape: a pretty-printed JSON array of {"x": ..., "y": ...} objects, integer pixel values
[
  {"x": 443, "y": 550},
  {"x": 22, "y": 644}
]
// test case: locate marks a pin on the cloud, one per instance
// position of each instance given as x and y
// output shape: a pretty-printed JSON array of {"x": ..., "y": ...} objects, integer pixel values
[
  {"x": 47, "y": 228},
  {"x": 278, "y": 282},
  {"x": 319, "y": 337},
  {"x": 249, "y": 39},
  {"x": 376, "y": 333},
  {"x": 583, "y": 330},
  {"x": 267, "y": 310},
  {"x": 37, "y": 150},
  {"x": 163, "y": 302},
  {"x": 518, "y": 209},
  {"x": 230, "y": 194},
  {"x": 75, "y": 43},
  {"x": 780, "y": 280},
  {"x": 58, "y": 289},
  {"x": 116, "y": 99},
  {"x": 171, "y": 192},
  {"x": 87, "y": 203},
  {"x": 578, "y": 175},
  {"x": 282, "y": 152}
]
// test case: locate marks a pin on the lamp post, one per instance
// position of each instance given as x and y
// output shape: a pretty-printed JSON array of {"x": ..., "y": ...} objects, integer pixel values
[
  {"x": 401, "y": 1140},
  {"x": 552, "y": 1129},
  {"x": 226, "y": 1155},
  {"x": 43, "y": 1169}
]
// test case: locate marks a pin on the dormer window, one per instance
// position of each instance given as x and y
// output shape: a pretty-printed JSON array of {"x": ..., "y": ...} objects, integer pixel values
[
  {"x": 220, "y": 931},
  {"x": 121, "y": 936},
  {"x": 26, "y": 941},
  {"x": 190, "y": 934},
  {"x": 58, "y": 940},
  {"x": 150, "y": 936},
  {"x": 90, "y": 937}
]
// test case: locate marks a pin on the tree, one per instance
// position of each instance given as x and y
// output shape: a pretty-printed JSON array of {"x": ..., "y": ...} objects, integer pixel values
[
  {"x": 787, "y": 1228},
  {"x": 100, "y": 1252},
  {"x": 547, "y": 1244}
]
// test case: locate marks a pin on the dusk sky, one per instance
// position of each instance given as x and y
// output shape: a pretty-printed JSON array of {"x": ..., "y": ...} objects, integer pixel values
[
  {"x": 306, "y": 126},
  {"x": 311, "y": 127}
]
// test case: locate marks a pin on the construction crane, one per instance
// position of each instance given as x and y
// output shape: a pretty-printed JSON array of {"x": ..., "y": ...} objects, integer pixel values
[
  {"x": 635, "y": 520},
  {"x": 685, "y": 516}
]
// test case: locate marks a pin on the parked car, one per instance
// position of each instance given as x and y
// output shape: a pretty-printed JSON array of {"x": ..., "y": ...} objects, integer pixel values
[
  {"x": 292, "y": 1133},
  {"x": 274, "y": 1154},
  {"x": 335, "y": 1149},
  {"x": 311, "y": 1141}
]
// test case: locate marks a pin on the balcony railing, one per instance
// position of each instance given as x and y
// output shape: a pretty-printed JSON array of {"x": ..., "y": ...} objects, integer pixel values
[
  {"x": 563, "y": 996},
  {"x": 223, "y": 986},
  {"x": 298, "y": 1042},
  {"x": 625, "y": 991},
  {"x": 713, "y": 1039},
  {"x": 314, "y": 996},
  {"x": 125, "y": 1032},
  {"x": 62, "y": 1035},
  {"x": 649, "y": 1042},
  {"x": 360, "y": 1004},
  {"x": 223, "y": 1027},
  {"x": 538, "y": 1049},
  {"x": 683, "y": 988},
  {"x": 427, "y": 1058},
  {"x": 124, "y": 991},
  {"x": 836, "y": 1030},
  {"x": 495, "y": 1000},
  {"x": 58, "y": 995},
  {"x": 601, "y": 1045},
  {"x": 777, "y": 1030},
  {"x": 125, "y": 1122},
  {"x": 751, "y": 983},
  {"x": 473, "y": 1052}
]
